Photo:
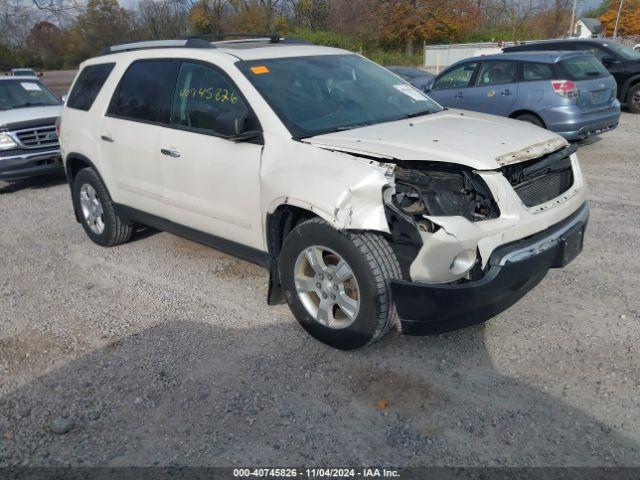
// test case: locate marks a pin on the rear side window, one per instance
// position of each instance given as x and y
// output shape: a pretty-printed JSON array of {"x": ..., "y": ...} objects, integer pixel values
[
  {"x": 145, "y": 92},
  {"x": 496, "y": 73},
  {"x": 536, "y": 71},
  {"x": 583, "y": 68},
  {"x": 203, "y": 94},
  {"x": 88, "y": 85}
]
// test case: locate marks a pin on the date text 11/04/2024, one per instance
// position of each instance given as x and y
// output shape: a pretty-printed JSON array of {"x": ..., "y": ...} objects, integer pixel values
[{"x": 316, "y": 472}]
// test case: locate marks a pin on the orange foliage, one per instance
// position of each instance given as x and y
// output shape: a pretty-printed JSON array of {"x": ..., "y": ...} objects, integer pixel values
[{"x": 629, "y": 18}]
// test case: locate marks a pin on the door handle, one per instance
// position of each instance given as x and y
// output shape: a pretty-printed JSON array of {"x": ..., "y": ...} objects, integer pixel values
[
  {"x": 169, "y": 152},
  {"x": 505, "y": 93},
  {"x": 107, "y": 138}
]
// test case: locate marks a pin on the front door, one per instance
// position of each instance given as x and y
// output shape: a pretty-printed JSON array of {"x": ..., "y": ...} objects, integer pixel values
[
  {"x": 496, "y": 88},
  {"x": 212, "y": 184},
  {"x": 450, "y": 88}
]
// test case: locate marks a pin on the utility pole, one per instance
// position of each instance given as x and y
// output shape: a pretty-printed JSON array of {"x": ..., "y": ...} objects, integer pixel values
[
  {"x": 615, "y": 30},
  {"x": 573, "y": 18}
]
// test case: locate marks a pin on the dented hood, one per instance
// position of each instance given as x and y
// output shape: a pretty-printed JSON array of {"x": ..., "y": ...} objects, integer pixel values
[{"x": 480, "y": 141}]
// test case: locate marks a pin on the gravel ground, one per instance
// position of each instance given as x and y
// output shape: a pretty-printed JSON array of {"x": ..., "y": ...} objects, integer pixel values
[{"x": 164, "y": 352}]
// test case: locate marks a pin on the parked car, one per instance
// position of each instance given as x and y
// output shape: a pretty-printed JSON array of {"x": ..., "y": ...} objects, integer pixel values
[
  {"x": 360, "y": 195},
  {"x": 415, "y": 76},
  {"x": 23, "y": 72},
  {"x": 637, "y": 48},
  {"x": 569, "y": 93},
  {"x": 28, "y": 138},
  {"x": 621, "y": 61}
]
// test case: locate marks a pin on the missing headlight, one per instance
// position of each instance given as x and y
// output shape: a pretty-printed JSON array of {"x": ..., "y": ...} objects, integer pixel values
[{"x": 443, "y": 191}]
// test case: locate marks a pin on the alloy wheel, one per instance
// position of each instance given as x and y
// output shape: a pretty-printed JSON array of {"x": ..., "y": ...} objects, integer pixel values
[{"x": 91, "y": 208}]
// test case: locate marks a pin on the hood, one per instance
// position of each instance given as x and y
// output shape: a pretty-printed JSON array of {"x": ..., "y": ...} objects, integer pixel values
[
  {"x": 480, "y": 141},
  {"x": 28, "y": 114}
]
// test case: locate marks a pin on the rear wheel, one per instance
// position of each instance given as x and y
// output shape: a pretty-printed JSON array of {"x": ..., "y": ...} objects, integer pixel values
[
  {"x": 531, "y": 118},
  {"x": 337, "y": 283},
  {"x": 633, "y": 99},
  {"x": 97, "y": 214}
]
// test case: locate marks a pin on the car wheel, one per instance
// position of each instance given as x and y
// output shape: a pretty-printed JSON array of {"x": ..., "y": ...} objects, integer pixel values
[
  {"x": 95, "y": 209},
  {"x": 337, "y": 283},
  {"x": 633, "y": 99},
  {"x": 531, "y": 118}
]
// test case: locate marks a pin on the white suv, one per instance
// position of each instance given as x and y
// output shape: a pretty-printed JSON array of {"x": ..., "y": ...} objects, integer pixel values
[{"x": 363, "y": 198}]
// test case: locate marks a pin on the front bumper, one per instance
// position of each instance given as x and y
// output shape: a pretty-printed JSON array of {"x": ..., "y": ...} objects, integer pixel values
[
  {"x": 30, "y": 163},
  {"x": 513, "y": 270}
]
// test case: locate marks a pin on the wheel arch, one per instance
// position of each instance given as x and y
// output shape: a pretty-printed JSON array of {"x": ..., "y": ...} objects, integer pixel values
[
  {"x": 74, "y": 162},
  {"x": 626, "y": 86},
  {"x": 517, "y": 113},
  {"x": 280, "y": 222}
]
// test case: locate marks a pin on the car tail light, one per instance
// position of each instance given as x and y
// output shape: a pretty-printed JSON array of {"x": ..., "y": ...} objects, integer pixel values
[
  {"x": 565, "y": 88},
  {"x": 58, "y": 125}
]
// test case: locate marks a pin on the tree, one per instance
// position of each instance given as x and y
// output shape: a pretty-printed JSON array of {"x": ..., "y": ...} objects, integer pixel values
[
  {"x": 629, "y": 18},
  {"x": 46, "y": 44},
  {"x": 164, "y": 18}
]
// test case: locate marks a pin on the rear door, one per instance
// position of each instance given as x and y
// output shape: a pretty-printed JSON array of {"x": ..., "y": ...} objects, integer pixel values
[
  {"x": 129, "y": 133},
  {"x": 450, "y": 88},
  {"x": 596, "y": 86},
  {"x": 496, "y": 88}
]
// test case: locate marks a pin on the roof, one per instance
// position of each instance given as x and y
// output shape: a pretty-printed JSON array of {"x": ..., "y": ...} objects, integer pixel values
[
  {"x": 543, "y": 56},
  {"x": 28, "y": 78},
  {"x": 592, "y": 24}
]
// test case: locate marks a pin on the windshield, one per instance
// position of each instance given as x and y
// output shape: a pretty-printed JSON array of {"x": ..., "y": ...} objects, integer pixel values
[
  {"x": 329, "y": 93},
  {"x": 24, "y": 72},
  {"x": 584, "y": 67},
  {"x": 624, "y": 51},
  {"x": 25, "y": 93}
]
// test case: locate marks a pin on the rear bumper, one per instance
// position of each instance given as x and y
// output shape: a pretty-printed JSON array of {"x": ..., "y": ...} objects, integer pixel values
[
  {"x": 30, "y": 163},
  {"x": 514, "y": 269},
  {"x": 574, "y": 125}
]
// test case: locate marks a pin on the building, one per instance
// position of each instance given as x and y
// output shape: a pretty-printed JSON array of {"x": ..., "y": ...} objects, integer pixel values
[{"x": 588, "y": 28}]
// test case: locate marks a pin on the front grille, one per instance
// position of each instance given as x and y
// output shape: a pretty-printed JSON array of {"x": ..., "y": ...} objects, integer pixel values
[
  {"x": 544, "y": 188},
  {"x": 543, "y": 179},
  {"x": 37, "y": 137}
]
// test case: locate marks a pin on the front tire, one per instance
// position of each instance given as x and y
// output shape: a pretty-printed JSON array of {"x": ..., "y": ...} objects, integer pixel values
[
  {"x": 337, "y": 283},
  {"x": 633, "y": 99},
  {"x": 96, "y": 211}
]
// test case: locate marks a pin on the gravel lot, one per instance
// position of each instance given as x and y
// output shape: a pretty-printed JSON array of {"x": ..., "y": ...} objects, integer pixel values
[{"x": 164, "y": 352}]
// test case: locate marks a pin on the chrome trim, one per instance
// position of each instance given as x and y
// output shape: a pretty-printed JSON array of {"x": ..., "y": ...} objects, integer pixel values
[
  {"x": 35, "y": 133},
  {"x": 547, "y": 242},
  {"x": 32, "y": 156}
]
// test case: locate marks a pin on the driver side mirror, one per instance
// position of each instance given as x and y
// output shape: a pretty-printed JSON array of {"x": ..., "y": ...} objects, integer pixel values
[
  {"x": 429, "y": 85},
  {"x": 609, "y": 62},
  {"x": 234, "y": 126}
]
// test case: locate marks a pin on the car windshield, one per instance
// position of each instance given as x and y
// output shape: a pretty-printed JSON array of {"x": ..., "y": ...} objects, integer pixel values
[
  {"x": 329, "y": 93},
  {"x": 584, "y": 67},
  {"x": 25, "y": 93},
  {"x": 624, "y": 51},
  {"x": 25, "y": 72}
]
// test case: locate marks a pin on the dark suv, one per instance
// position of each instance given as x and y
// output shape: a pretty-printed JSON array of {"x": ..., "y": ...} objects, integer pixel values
[{"x": 622, "y": 62}]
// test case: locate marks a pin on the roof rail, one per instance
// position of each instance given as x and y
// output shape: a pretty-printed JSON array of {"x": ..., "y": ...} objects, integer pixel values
[
  {"x": 184, "y": 43},
  {"x": 219, "y": 38}
]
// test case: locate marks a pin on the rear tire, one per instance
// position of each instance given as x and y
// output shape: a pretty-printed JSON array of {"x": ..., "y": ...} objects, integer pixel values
[
  {"x": 633, "y": 99},
  {"x": 96, "y": 211},
  {"x": 362, "y": 309},
  {"x": 531, "y": 118}
]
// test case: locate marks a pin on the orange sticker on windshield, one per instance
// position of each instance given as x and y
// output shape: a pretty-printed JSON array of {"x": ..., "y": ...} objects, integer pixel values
[{"x": 259, "y": 70}]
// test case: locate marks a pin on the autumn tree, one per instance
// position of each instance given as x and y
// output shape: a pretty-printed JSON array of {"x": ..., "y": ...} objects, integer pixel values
[{"x": 629, "y": 23}]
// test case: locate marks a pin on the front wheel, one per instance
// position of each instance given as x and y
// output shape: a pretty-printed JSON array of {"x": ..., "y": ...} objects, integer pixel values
[
  {"x": 633, "y": 99},
  {"x": 337, "y": 283}
]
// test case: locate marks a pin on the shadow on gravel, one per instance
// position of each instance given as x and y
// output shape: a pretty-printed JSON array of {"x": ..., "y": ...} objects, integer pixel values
[
  {"x": 187, "y": 393},
  {"x": 34, "y": 183}
]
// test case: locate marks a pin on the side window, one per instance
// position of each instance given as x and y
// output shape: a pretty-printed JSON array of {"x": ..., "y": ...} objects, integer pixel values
[
  {"x": 459, "y": 77},
  {"x": 88, "y": 85},
  {"x": 496, "y": 73},
  {"x": 146, "y": 91},
  {"x": 536, "y": 71},
  {"x": 202, "y": 95},
  {"x": 592, "y": 49}
]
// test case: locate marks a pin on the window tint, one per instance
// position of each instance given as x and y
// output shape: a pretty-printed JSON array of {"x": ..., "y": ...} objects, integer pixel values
[
  {"x": 536, "y": 71},
  {"x": 88, "y": 85},
  {"x": 459, "y": 77},
  {"x": 146, "y": 91},
  {"x": 496, "y": 73},
  {"x": 599, "y": 53},
  {"x": 202, "y": 95},
  {"x": 584, "y": 67}
]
